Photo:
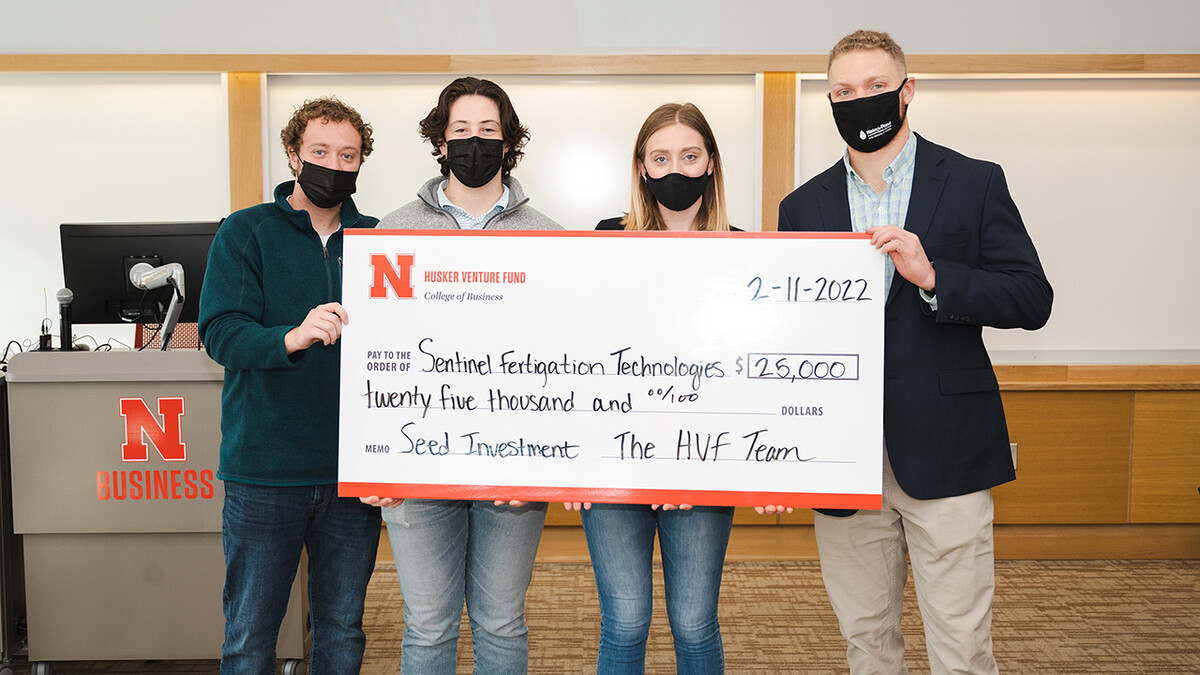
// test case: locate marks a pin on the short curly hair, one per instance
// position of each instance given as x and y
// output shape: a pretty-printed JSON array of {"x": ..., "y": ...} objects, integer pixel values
[
  {"x": 325, "y": 108},
  {"x": 514, "y": 134},
  {"x": 866, "y": 40}
]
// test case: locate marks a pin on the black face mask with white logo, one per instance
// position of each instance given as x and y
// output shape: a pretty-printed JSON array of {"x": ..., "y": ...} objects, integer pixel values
[
  {"x": 325, "y": 187},
  {"x": 676, "y": 191},
  {"x": 474, "y": 161},
  {"x": 868, "y": 124}
]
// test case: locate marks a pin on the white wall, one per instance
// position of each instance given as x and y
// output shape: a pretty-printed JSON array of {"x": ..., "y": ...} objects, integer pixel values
[
  {"x": 576, "y": 167},
  {"x": 1101, "y": 171},
  {"x": 86, "y": 148},
  {"x": 1097, "y": 166},
  {"x": 594, "y": 26}
]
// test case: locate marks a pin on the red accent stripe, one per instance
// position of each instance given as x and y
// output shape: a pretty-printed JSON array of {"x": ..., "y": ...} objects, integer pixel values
[
  {"x": 360, "y": 232},
  {"x": 612, "y": 495}
]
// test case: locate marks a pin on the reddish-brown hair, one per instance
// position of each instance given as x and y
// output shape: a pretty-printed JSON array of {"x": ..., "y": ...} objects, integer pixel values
[{"x": 325, "y": 108}]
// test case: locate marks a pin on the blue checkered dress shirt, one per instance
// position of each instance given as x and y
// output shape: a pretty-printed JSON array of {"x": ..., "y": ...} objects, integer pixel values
[
  {"x": 871, "y": 209},
  {"x": 464, "y": 217}
]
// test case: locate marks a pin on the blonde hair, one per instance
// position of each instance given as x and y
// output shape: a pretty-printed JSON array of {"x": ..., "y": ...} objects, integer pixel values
[
  {"x": 865, "y": 41},
  {"x": 643, "y": 208}
]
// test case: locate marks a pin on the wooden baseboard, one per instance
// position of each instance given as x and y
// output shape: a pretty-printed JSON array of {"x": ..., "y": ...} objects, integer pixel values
[
  {"x": 1013, "y": 542},
  {"x": 1098, "y": 542}
]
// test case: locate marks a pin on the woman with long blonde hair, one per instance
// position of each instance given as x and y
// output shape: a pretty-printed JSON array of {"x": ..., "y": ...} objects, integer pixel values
[
  {"x": 677, "y": 185},
  {"x": 677, "y": 179}
]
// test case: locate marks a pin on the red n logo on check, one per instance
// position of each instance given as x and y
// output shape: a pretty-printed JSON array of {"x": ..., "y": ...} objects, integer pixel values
[{"x": 398, "y": 277}]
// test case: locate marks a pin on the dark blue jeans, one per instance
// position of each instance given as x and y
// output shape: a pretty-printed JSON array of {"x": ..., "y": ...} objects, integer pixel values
[
  {"x": 620, "y": 540},
  {"x": 263, "y": 530}
]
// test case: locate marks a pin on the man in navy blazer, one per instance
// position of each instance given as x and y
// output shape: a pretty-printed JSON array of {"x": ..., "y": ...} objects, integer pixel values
[{"x": 959, "y": 258}]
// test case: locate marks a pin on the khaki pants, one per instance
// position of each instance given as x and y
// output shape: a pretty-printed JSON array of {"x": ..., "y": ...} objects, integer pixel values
[{"x": 863, "y": 564}]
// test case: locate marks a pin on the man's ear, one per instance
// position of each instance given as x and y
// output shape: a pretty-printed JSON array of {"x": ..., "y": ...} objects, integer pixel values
[{"x": 909, "y": 91}]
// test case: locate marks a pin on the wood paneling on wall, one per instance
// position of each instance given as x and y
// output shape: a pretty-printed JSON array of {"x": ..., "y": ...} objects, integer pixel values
[
  {"x": 1072, "y": 458},
  {"x": 245, "y": 139},
  {"x": 778, "y": 144},
  {"x": 1165, "y": 480}
]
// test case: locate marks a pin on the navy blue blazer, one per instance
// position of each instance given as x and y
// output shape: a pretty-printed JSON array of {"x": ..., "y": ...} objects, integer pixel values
[{"x": 942, "y": 415}]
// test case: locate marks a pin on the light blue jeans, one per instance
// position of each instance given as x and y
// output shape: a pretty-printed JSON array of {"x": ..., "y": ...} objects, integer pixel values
[
  {"x": 450, "y": 551},
  {"x": 620, "y": 540}
]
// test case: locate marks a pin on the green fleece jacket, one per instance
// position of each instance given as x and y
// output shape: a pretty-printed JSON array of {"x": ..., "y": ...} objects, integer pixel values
[{"x": 279, "y": 414}]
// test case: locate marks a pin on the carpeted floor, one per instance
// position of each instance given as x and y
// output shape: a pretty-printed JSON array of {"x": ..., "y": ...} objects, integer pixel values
[{"x": 1050, "y": 617}]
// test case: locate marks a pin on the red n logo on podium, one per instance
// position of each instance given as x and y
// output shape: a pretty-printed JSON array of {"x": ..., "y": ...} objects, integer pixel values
[{"x": 141, "y": 423}]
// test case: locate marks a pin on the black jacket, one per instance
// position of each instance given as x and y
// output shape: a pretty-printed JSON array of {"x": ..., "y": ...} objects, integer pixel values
[{"x": 943, "y": 420}]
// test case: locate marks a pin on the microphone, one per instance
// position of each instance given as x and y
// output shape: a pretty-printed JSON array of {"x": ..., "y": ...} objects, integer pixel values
[{"x": 64, "y": 297}]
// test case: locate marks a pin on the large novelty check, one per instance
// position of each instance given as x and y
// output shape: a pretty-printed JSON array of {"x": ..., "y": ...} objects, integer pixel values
[{"x": 733, "y": 370}]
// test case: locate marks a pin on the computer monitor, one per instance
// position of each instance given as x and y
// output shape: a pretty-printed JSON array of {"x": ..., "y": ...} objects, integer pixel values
[{"x": 97, "y": 258}]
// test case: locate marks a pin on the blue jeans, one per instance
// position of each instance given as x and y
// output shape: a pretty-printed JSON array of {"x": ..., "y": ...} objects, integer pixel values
[
  {"x": 448, "y": 552},
  {"x": 620, "y": 540},
  {"x": 263, "y": 529}
]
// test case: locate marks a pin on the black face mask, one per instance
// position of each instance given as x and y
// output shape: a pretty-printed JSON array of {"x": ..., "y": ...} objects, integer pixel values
[
  {"x": 676, "y": 191},
  {"x": 474, "y": 161},
  {"x": 326, "y": 187},
  {"x": 868, "y": 124}
]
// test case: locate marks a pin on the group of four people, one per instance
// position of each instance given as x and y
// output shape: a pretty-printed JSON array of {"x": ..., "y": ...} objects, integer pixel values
[{"x": 958, "y": 258}]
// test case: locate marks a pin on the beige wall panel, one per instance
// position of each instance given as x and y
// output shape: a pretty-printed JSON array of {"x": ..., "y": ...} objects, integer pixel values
[
  {"x": 1073, "y": 458},
  {"x": 574, "y": 172},
  {"x": 1166, "y": 457}
]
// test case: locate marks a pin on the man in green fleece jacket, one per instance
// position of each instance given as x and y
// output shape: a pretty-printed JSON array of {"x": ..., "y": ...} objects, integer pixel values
[{"x": 271, "y": 313}]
